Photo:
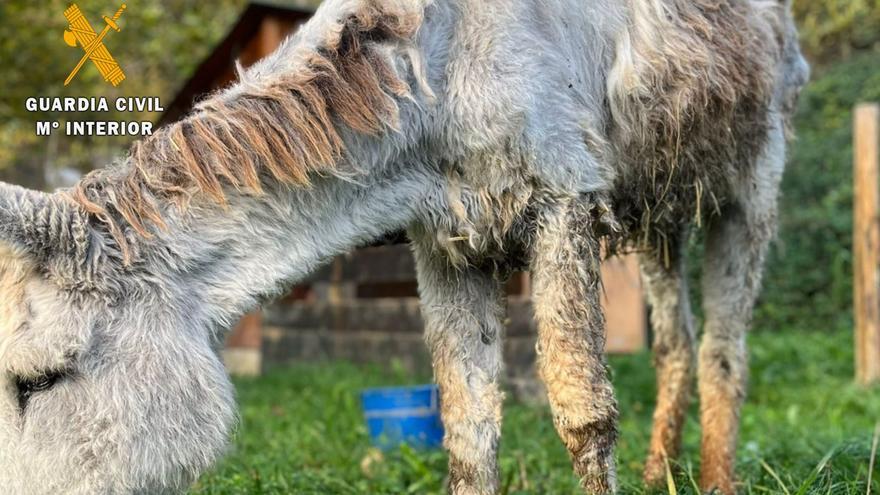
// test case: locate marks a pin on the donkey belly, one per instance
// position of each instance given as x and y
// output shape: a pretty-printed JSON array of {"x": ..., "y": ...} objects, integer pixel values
[{"x": 661, "y": 186}]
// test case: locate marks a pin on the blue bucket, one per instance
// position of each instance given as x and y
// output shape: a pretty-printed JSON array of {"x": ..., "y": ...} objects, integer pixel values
[{"x": 398, "y": 415}]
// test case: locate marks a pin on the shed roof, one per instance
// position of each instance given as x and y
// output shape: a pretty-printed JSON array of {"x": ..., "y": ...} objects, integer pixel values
[{"x": 223, "y": 57}]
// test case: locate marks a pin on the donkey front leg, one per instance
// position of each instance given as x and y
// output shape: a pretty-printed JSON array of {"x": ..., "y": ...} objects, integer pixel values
[
  {"x": 674, "y": 358},
  {"x": 735, "y": 248},
  {"x": 571, "y": 341},
  {"x": 463, "y": 308}
]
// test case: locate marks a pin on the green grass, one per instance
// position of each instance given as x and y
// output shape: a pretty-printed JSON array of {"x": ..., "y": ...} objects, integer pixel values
[{"x": 806, "y": 429}]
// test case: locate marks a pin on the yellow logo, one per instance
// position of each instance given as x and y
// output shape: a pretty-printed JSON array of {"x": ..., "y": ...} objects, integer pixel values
[{"x": 92, "y": 43}]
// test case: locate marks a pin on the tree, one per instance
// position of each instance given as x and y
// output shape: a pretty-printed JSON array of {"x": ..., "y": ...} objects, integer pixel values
[{"x": 834, "y": 29}]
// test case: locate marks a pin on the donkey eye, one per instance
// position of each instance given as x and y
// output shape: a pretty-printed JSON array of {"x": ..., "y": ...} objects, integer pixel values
[
  {"x": 42, "y": 384},
  {"x": 27, "y": 387}
]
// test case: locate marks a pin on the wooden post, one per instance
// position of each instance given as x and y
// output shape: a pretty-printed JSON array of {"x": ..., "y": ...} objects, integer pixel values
[
  {"x": 626, "y": 314},
  {"x": 272, "y": 33},
  {"x": 243, "y": 354},
  {"x": 866, "y": 243}
]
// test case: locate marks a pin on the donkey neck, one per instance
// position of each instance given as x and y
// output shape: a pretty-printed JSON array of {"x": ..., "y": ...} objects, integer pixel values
[{"x": 231, "y": 259}]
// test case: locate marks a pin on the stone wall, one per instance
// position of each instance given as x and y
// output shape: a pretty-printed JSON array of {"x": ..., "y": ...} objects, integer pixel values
[{"x": 364, "y": 309}]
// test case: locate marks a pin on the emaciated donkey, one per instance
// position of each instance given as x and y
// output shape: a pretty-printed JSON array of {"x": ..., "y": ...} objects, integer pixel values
[{"x": 499, "y": 134}]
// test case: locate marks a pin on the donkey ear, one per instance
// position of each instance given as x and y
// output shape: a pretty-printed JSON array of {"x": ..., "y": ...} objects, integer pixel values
[{"x": 44, "y": 228}]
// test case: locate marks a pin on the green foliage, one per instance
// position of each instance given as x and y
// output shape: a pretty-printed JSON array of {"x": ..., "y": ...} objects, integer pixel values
[
  {"x": 834, "y": 28},
  {"x": 159, "y": 46},
  {"x": 809, "y": 271},
  {"x": 302, "y": 431}
]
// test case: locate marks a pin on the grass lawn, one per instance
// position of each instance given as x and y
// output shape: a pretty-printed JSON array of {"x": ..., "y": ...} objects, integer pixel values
[{"x": 806, "y": 429}]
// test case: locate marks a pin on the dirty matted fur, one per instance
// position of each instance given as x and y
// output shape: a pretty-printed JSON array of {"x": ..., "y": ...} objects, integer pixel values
[{"x": 497, "y": 133}]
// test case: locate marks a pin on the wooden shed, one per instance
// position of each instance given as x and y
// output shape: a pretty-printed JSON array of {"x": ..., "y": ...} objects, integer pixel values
[{"x": 364, "y": 307}]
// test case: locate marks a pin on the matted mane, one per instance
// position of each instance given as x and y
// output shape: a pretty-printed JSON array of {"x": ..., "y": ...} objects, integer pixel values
[{"x": 281, "y": 127}]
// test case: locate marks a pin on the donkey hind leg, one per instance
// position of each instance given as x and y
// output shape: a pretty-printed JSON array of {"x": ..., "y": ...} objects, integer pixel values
[
  {"x": 463, "y": 310},
  {"x": 735, "y": 249},
  {"x": 571, "y": 342},
  {"x": 674, "y": 359}
]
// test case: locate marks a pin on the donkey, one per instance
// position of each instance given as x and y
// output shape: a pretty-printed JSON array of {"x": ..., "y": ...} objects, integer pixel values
[{"x": 499, "y": 134}]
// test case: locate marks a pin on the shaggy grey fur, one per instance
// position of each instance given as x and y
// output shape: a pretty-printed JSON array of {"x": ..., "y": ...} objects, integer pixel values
[{"x": 498, "y": 133}]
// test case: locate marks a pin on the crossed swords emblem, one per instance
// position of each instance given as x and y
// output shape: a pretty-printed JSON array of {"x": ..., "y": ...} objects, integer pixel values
[{"x": 92, "y": 43}]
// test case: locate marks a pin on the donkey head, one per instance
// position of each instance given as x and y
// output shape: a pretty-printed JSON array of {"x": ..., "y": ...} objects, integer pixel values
[{"x": 104, "y": 387}]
